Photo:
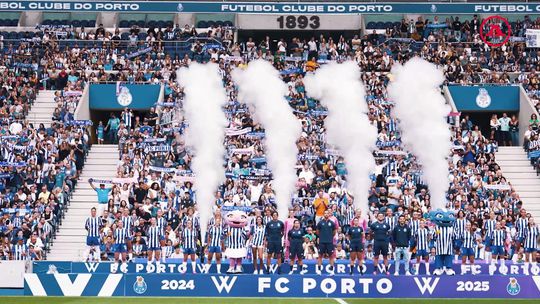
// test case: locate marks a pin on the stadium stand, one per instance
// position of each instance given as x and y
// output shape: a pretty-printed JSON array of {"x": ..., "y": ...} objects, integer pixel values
[{"x": 70, "y": 57}]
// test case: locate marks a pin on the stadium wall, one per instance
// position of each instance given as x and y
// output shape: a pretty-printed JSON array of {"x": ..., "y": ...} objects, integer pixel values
[{"x": 526, "y": 109}]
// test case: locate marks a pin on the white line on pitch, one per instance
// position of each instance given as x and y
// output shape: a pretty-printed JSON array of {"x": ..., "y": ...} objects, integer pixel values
[{"x": 340, "y": 301}]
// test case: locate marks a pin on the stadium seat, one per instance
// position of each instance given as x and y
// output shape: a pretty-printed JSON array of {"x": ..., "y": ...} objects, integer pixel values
[
  {"x": 202, "y": 24},
  {"x": 124, "y": 24},
  {"x": 228, "y": 23},
  {"x": 141, "y": 23},
  {"x": 76, "y": 23},
  {"x": 379, "y": 25},
  {"x": 370, "y": 25}
]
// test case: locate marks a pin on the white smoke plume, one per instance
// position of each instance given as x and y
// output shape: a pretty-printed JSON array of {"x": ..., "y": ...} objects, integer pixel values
[
  {"x": 261, "y": 87},
  {"x": 422, "y": 112},
  {"x": 340, "y": 89},
  {"x": 203, "y": 102}
]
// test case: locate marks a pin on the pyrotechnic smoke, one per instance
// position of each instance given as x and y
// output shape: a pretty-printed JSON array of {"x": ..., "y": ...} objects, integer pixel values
[
  {"x": 261, "y": 87},
  {"x": 422, "y": 112},
  {"x": 203, "y": 102},
  {"x": 340, "y": 89}
]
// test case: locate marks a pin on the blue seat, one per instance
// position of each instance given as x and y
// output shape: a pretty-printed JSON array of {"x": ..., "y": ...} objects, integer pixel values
[
  {"x": 141, "y": 23},
  {"x": 142, "y": 35},
  {"x": 151, "y": 23},
  {"x": 202, "y": 24},
  {"x": 228, "y": 23},
  {"x": 211, "y": 24},
  {"x": 124, "y": 36},
  {"x": 124, "y": 24},
  {"x": 161, "y": 24},
  {"x": 56, "y": 22},
  {"x": 379, "y": 25},
  {"x": 397, "y": 24},
  {"x": 370, "y": 25},
  {"x": 131, "y": 23},
  {"x": 219, "y": 23},
  {"x": 76, "y": 23},
  {"x": 46, "y": 22},
  {"x": 4, "y": 22},
  {"x": 388, "y": 25},
  {"x": 91, "y": 23},
  {"x": 169, "y": 23}
]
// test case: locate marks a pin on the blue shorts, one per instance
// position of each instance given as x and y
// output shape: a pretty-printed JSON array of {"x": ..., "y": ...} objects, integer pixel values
[
  {"x": 214, "y": 249},
  {"x": 274, "y": 247},
  {"x": 487, "y": 241},
  {"x": 520, "y": 239},
  {"x": 326, "y": 248},
  {"x": 121, "y": 248},
  {"x": 457, "y": 244},
  {"x": 467, "y": 251},
  {"x": 188, "y": 250},
  {"x": 92, "y": 241},
  {"x": 422, "y": 253},
  {"x": 497, "y": 250},
  {"x": 531, "y": 250}
]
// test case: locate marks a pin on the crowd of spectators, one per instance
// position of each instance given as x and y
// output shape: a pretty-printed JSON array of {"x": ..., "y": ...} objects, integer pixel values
[{"x": 158, "y": 184}]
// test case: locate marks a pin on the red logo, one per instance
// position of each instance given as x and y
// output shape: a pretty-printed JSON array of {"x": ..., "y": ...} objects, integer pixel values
[{"x": 492, "y": 31}]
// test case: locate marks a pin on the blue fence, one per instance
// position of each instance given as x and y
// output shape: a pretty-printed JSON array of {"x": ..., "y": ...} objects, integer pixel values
[
  {"x": 189, "y": 285},
  {"x": 485, "y": 98}
]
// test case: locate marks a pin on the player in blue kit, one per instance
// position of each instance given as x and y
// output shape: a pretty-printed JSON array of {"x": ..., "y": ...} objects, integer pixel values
[
  {"x": 380, "y": 230},
  {"x": 356, "y": 236},
  {"x": 296, "y": 250},
  {"x": 273, "y": 240}
]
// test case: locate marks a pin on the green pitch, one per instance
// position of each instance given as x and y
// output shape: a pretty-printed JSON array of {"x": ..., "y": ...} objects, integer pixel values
[{"x": 141, "y": 300}]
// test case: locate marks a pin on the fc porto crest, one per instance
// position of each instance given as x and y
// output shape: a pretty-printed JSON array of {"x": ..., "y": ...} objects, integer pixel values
[
  {"x": 433, "y": 8},
  {"x": 140, "y": 285},
  {"x": 483, "y": 100},
  {"x": 513, "y": 287},
  {"x": 124, "y": 98},
  {"x": 179, "y": 7}
]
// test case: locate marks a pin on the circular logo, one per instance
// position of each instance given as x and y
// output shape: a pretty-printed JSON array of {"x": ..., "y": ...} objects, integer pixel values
[
  {"x": 483, "y": 100},
  {"x": 124, "y": 98},
  {"x": 513, "y": 287},
  {"x": 140, "y": 285},
  {"x": 492, "y": 31},
  {"x": 180, "y": 7}
]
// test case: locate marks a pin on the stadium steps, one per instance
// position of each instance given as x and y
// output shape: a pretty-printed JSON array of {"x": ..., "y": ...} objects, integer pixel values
[
  {"x": 70, "y": 242},
  {"x": 43, "y": 108},
  {"x": 517, "y": 170}
]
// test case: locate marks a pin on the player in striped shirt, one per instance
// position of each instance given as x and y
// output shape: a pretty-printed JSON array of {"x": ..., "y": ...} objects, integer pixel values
[
  {"x": 127, "y": 222},
  {"x": 521, "y": 226},
  {"x": 422, "y": 238},
  {"x": 498, "y": 238},
  {"x": 93, "y": 226},
  {"x": 120, "y": 236},
  {"x": 155, "y": 237},
  {"x": 214, "y": 240},
  {"x": 257, "y": 244},
  {"x": 468, "y": 241},
  {"x": 489, "y": 227},
  {"x": 531, "y": 243},
  {"x": 459, "y": 228},
  {"x": 189, "y": 245}
]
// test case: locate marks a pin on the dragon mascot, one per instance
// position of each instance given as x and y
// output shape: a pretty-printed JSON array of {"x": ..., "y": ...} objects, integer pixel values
[
  {"x": 444, "y": 233},
  {"x": 236, "y": 238}
]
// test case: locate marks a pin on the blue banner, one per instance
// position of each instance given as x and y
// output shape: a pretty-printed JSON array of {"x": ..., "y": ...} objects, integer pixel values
[
  {"x": 174, "y": 266},
  {"x": 133, "y": 96},
  {"x": 139, "y": 53},
  {"x": 485, "y": 98},
  {"x": 270, "y": 7},
  {"x": 312, "y": 286}
]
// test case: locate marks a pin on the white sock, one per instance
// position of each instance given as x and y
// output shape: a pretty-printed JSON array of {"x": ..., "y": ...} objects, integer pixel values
[
  {"x": 427, "y": 266},
  {"x": 218, "y": 266},
  {"x": 130, "y": 255},
  {"x": 501, "y": 261},
  {"x": 184, "y": 265},
  {"x": 194, "y": 266},
  {"x": 97, "y": 254}
]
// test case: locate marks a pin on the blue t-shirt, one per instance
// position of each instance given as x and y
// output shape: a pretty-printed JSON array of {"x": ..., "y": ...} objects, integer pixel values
[
  {"x": 274, "y": 231},
  {"x": 380, "y": 231},
  {"x": 326, "y": 230},
  {"x": 103, "y": 195}
]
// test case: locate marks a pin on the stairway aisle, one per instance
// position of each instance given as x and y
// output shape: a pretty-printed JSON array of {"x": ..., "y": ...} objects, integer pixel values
[
  {"x": 70, "y": 242},
  {"x": 43, "y": 108},
  {"x": 517, "y": 169}
]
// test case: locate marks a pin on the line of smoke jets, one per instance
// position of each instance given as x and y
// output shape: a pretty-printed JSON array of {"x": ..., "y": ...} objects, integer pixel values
[{"x": 418, "y": 104}]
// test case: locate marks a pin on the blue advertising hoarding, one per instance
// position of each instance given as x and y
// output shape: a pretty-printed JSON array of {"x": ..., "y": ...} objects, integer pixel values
[
  {"x": 271, "y": 7},
  {"x": 314, "y": 286},
  {"x": 485, "y": 98},
  {"x": 141, "y": 267},
  {"x": 114, "y": 97}
]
